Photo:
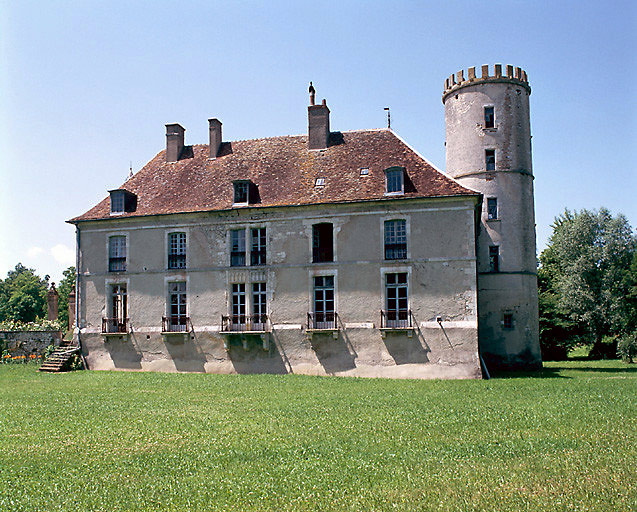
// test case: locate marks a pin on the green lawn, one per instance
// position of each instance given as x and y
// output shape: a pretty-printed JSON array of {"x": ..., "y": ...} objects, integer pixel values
[{"x": 561, "y": 440}]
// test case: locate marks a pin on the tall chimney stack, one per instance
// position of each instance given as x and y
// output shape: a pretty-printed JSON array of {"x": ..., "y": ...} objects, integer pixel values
[
  {"x": 318, "y": 118},
  {"x": 174, "y": 141},
  {"x": 215, "y": 136}
]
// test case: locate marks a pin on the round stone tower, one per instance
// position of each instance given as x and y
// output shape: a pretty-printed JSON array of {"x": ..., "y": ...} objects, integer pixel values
[{"x": 488, "y": 142}]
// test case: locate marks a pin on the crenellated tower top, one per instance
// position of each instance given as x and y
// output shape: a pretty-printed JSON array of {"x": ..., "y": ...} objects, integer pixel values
[{"x": 512, "y": 75}]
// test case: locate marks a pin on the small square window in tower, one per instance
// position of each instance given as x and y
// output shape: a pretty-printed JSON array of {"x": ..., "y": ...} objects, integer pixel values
[
  {"x": 489, "y": 117},
  {"x": 489, "y": 157},
  {"x": 322, "y": 242},
  {"x": 494, "y": 258},
  {"x": 492, "y": 208},
  {"x": 507, "y": 321},
  {"x": 394, "y": 180},
  {"x": 176, "y": 250}
]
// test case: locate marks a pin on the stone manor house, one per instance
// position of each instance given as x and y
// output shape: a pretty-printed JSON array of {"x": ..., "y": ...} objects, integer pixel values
[{"x": 331, "y": 253}]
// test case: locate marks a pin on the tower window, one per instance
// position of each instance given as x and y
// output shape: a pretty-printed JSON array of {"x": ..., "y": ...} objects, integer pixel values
[
  {"x": 507, "y": 321},
  {"x": 489, "y": 117},
  {"x": 492, "y": 208},
  {"x": 494, "y": 258},
  {"x": 489, "y": 156}
]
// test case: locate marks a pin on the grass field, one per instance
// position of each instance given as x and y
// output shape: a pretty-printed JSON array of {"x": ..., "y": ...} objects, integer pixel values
[{"x": 561, "y": 440}]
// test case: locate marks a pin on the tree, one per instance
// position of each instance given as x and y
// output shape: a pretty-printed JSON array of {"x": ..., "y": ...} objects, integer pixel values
[
  {"x": 23, "y": 295},
  {"x": 588, "y": 263},
  {"x": 64, "y": 288}
]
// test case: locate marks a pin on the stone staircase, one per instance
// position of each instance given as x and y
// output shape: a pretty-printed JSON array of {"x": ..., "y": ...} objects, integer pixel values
[{"x": 59, "y": 359}]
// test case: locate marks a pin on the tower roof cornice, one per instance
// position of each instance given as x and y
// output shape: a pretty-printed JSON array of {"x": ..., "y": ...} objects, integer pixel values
[{"x": 512, "y": 75}]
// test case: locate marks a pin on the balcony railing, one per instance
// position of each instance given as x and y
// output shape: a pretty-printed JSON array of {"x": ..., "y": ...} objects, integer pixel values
[
  {"x": 396, "y": 319},
  {"x": 245, "y": 323},
  {"x": 318, "y": 321},
  {"x": 175, "y": 323},
  {"x": 176, "y": 261},
  {"x": 114, "y": 325}
]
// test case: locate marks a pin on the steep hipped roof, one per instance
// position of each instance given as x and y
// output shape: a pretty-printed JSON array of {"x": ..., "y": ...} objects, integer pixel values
[{"x": 284, "y": 171}]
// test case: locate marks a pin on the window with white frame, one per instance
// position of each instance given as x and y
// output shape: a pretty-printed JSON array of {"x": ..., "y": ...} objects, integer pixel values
[
  {"x": 257, "y": 249},
  {"x": 238, "y": 304},
  {"x": 177, "y": 307},
  {"x": 324, "y": 312},
  {"x": 396, "y": 239},
  {"x": 118, "y": 201},
  {"x": 117, "y": 253},
  {"x": 176, "y": 250},
  {"x": 238, "y": 248},
  {"x": 259, "y": 306},
  {"x": 396, "y": 300},
  {"x": 394, "y": 180}
]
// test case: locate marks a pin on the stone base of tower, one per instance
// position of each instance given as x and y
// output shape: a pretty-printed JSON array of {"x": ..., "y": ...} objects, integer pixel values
[{"x": 508, "y": 330}]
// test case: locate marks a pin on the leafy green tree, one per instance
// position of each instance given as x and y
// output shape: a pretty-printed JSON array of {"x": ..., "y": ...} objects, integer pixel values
[
  {"x": 23, "y": 295},
  {"x": 64, "y": 288},
  {"x": 588, "y": 263}
]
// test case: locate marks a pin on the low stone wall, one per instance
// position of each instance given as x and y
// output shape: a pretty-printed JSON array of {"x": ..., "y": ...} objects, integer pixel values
[{"x": 25, "y": 343}]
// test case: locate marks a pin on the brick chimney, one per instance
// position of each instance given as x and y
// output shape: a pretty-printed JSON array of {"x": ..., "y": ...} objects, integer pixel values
[
  {"x": 174, "y": 141},
  {"x": 215, "y": 136},
  {"x": 318, "y": 118}
]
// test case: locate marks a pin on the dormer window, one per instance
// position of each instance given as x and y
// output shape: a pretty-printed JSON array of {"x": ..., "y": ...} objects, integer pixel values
[
  {"x": 241, "y": 192},
  {"x": 117, "y": 201},
  {"x": 122, "y": 201},
  {"x": 394, "y": 181}
]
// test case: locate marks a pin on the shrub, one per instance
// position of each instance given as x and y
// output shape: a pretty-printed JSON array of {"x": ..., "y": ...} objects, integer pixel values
[{"x": 627, "y": 347}]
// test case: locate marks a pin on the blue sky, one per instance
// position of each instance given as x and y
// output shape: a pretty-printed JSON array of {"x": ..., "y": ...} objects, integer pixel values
[{"x": 87, "y": 87}]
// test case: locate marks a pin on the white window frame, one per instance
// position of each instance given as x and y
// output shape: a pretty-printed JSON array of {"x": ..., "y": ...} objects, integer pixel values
[
  {"x": 121, "y": 194},
  {"x": 168, "y": 280},
  {"x": 398, "y": 269},
  {"x": 167, "y": 247},
  {"x": 234, "y": 192},
  {"x": 322, "y": 272},
  {"x": 108, "y": 250},
  {"x": 247, "y": 229},
  {"x": 403, "y": 172},
  {"x": 395, "y": 216}
]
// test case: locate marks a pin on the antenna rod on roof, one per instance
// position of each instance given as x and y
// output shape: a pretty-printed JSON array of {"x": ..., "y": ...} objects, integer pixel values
[{"x": 388, "y": 117}]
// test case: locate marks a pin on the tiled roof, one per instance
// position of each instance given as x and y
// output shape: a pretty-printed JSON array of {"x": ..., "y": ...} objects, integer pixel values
[{"x": 284, "y": 171}]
